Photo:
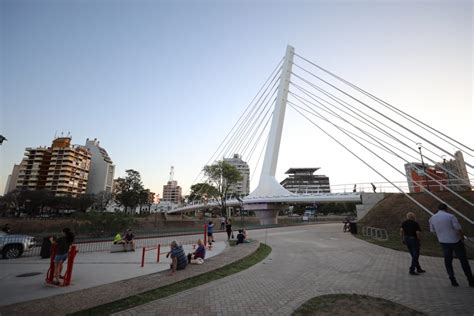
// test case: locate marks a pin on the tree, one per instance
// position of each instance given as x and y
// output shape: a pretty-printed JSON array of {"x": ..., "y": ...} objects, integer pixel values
[
  {"x": 83, "y": 202},
  {"x": 101, "y": 200},
  {"x": 129, "y": 190},
  {"x": 14, "y": 200},
  {"x": 222, "y": 176},
  {"x": 202, "y": 191},
  {"x": 145, "y": 199}
]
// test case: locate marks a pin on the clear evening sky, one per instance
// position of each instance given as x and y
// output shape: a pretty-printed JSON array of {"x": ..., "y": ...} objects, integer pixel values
[{"x": 160, "y": 83}]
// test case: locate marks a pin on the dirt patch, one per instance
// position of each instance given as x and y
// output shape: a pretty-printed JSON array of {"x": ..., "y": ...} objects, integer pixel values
[{"x": 352, "y": 304}]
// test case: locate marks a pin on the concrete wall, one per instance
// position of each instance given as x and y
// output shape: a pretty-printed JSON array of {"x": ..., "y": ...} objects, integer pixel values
[{"x": 369, "y": 200}]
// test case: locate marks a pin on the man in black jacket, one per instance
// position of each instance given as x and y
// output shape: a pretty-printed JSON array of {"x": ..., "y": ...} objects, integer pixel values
[{"x": 410, "y": 232}]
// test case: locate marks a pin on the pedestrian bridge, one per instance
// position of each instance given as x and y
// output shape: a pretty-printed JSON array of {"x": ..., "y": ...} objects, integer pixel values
[
  {"x": 289, "y": 199},
  {"x": 374, "y": 132}
]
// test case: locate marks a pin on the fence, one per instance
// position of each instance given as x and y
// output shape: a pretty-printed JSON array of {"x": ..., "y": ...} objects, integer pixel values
[
  {"x": 375, "y": 233},
  {"x": 104, "y": 244},
  {"x": 33, "y": 247}
]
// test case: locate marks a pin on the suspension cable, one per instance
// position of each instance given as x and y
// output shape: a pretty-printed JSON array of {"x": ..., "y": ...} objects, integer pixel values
[
  {"x": 362, "y": 118},
  {"x": 388, "y": 163},
  {"x": 379, "y": 113},
  {"x": 388, "y": 105},
  {"x": 275, "y": 71},
  {"x": 391, "y": 151}
]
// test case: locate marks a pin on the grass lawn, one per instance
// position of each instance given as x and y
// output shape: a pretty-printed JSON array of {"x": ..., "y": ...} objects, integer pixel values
[
  {"x": 352, "y": 304},
  {"x": 262, "y": 252}
]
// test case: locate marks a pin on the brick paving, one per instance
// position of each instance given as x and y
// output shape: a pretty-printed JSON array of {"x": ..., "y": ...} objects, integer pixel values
[
  {"x": 87, "y": 298},
  {"x": 316, "y": 260}
]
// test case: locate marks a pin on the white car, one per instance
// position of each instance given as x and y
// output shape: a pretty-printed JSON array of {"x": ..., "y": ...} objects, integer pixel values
[{"x": 13, "y": 246}]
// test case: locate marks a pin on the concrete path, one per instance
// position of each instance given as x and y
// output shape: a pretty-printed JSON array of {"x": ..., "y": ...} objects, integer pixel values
[
  {"x": 315, "y": 260},
  {"x": 90, "y": 270}
]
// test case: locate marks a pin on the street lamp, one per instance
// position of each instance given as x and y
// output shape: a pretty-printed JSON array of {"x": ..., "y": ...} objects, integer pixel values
[
  {"x": 241, "y": 203},
  {"x": 446, "y": 169},
  {"x": 424, "y": 167}
]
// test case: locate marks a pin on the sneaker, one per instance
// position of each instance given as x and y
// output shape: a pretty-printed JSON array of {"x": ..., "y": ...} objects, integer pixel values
[
  {"x": 454, "y": 282},
  {"x": 56, "y": 282},
  {"x": 420, "y": 271},
  {"x": 413, "y": 273}
]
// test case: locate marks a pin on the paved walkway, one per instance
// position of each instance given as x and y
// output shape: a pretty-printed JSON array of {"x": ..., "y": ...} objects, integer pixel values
[
  {"x": 315, "y": 260},
  {"x": 90, "y": 270}
]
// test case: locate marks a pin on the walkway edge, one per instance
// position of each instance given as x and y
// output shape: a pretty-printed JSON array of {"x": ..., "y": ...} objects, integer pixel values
[{"x": 88, "y": 298}]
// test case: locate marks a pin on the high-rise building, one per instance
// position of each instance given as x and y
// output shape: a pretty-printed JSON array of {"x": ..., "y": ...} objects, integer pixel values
[
  {"x": 34, "y": 168},
  {"x": 242, "y": 187},
  {"x": 12, "y": 179},
  {"x": 61, "y": 169},
  {"x": 172, "y": 192},
  {"x": 303, "y": 180},
  {"x": 101, "y": 172}
]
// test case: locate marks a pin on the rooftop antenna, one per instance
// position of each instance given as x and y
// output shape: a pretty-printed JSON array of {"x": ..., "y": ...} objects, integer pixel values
[{"x": 171, "y": 173}]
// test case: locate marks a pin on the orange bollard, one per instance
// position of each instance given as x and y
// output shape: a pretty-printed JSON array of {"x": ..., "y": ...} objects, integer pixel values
[
  {"x": 50, "y": 273},
  {"x": 70, "y": 265}
]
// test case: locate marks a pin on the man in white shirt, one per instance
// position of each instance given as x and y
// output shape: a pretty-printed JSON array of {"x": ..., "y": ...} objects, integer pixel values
[{"x": 450, "y": 236}]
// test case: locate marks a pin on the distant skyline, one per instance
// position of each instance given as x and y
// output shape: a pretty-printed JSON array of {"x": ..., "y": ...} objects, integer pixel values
[{"x": 160, "y": 83}]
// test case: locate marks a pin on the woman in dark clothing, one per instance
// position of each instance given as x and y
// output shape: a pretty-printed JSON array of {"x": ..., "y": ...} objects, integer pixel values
[
  {"x": 228, "y": 228},
  {"x": 62, "y": 249}
]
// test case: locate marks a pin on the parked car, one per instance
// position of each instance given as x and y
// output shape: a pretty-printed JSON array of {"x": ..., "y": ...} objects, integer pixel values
[{"x": 13, "y": 246}]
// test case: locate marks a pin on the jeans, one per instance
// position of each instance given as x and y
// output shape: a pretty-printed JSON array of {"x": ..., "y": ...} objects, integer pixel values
[
  {"x": 460, "y": 252},
  {"x": 413, "y": 246}
]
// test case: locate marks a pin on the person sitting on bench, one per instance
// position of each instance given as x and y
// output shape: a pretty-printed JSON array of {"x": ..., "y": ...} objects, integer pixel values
[
  {"x": 178, "y": 258},
  {"x": 199, "y": 253},
  {"x": 118, "y": 239},
  {"x": 129, "y": 236},
  {"x": 241, "y": 239}
]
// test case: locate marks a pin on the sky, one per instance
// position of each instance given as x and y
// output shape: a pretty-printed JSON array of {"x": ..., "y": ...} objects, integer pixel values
[{"x": 160, "y": 83}]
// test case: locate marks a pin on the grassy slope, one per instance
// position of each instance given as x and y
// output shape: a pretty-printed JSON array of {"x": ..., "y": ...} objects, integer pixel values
[{"x": 391, "y": 212}]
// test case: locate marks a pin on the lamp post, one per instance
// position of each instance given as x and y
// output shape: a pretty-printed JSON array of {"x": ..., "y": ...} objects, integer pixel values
[
  {"x": 424, "y": 167},
  {"x": 445, "y": 169},
  {"x": 241, "y": 203}
]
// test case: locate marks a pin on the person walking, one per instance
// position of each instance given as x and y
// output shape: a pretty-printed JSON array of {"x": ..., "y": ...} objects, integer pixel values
[
  {"x": 210, "y": 233},
  {"x": 228, "y": 229},
  {"x": 222, "y": 222},
  {"x": 374, "y": 188},
  {"x": 451, "y": 238},
  {"x": 410, "y": 232}
]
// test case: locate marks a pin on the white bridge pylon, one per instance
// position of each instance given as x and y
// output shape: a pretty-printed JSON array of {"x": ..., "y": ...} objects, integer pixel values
[{"x": 269, "y": 197}]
